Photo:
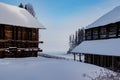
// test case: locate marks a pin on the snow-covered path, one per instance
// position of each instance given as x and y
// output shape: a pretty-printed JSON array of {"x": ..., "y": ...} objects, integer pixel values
[{"x": 44, "y": 69}]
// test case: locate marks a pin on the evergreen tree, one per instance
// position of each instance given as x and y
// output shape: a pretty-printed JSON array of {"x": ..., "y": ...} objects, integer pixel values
[
  {"x": 76, "y": 38},
  {"x": 30, "y": 9},
  {"x": 79, "y": 30},
  {"x": 70, "y": 41},
  {"x": 81, "y": 33},
  {"x": 21, "y": 5},
  {"x": 73, "y": 41}
]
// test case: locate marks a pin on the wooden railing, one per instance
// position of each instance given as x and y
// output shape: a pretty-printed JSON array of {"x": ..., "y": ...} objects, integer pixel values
[
  {"x": 23, "y": 41},
  {"x": 21, "y": 49}
]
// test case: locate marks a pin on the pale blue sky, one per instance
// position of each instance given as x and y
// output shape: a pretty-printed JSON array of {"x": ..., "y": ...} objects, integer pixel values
[{"x": 63, "y": 17}]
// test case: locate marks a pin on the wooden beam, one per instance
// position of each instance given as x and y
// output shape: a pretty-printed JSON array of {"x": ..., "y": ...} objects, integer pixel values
[
  {"x": 80, "y": 57},
  {"x": 98, "y": 32},
  {"x": 74, "y": 56},
  {"x": 118, "y": 30},
  {"x": 8, "y": 40},
  {"x": 91, "y": 34},
  {"x": 93, "y": 58},
  {"x": 113, "y": 62}
]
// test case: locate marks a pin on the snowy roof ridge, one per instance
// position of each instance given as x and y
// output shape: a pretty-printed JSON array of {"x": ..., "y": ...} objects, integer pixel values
[
  {"x": 110, "y": 17},
  {"x": 13, "y": 15}
]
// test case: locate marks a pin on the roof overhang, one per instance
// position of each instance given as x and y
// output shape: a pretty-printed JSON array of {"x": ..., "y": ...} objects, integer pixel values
[{"x": 100, "y": 47}]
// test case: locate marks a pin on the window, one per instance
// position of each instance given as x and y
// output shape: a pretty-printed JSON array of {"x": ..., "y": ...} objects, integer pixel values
[
  {"x": 88, "y": 34},
  {"x": 23, "y": 34},
  {"x": 112, "y": 31},
  {"x": 34, "y": 34},
  {"x": 19, "y": 34},
  {"x": 37, "y": 32},
  {"x": 2, "y": 32},
  {"x": 103, "y": 32},
  {"x": 28, "y": 34},
  {"x": 19, "y": 44},
  {"x": 95, "y": 33},
  {"x": 8, "y": 32},
  {"x": 7, "y": 44},
  {"x": 119, "y": 31},
  {"x": 1, "y": 45},
  {"x": 33, "y": 45}
]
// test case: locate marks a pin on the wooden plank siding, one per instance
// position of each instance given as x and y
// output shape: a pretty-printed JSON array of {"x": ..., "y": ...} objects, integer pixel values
[
  {"x": 103, "y": 32},
  {"x": 20, "y": 37},
  {"x": 109, "y": 62}
]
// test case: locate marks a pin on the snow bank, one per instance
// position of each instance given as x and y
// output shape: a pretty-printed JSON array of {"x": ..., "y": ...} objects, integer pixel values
[
  {"x": 44, "y": 69},
  {"x": 13, "y": 15},
  {"x": 103, "y": 47},
  {"x": 111, "y": 17}
]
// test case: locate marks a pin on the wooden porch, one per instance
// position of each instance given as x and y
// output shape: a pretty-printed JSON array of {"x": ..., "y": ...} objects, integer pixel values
[{"x": 106, "y": 61}]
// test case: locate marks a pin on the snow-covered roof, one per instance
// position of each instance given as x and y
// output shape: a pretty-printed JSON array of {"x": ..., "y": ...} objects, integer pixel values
[
  {"x": 111, "y": 17},
  {"x": 103, "y": 47},
  {"x": 13, "y": 15}
]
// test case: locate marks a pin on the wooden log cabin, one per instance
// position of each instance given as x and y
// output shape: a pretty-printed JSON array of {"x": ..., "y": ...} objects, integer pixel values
[
  {"x": 102, "y": 41},
  {"x": 19, "y": 32}
]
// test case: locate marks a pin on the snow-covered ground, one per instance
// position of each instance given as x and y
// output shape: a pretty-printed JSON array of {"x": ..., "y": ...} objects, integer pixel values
[{"x": 44, "y": 69}]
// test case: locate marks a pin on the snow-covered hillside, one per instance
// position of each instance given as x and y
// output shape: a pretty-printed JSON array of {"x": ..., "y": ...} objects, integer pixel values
[{"x": 44, "y": 69}]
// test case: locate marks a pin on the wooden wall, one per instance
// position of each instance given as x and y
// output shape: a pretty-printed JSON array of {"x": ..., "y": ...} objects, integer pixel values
[
  {"x": 110, "y": 62},
  {"x": 20, "y": 33},
  {"x": 103, "y": 32},
  {"x": 20, "y": 37}
]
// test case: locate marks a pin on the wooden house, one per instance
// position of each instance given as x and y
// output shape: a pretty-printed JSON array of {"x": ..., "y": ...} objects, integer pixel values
[
  {"x": 19, "y": 32},
  {"x": 102, "y": 41}
]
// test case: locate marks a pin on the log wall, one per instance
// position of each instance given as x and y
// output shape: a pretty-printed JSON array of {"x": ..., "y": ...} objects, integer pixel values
[
  {"x": 19, "y": 37},
  {"x": 110, "y": 62},
  {"x": 103, "y": 32}
]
